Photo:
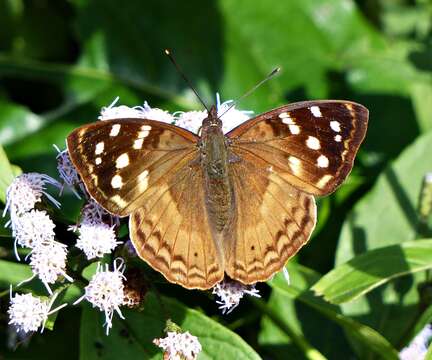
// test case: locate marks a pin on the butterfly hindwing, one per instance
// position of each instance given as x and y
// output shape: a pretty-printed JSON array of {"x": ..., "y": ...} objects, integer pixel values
[
  {"x": 273, "y": 220},
  {"x": 171, "y": 232},
  {"x": 311, "y": 144},
  {"x": 118, "y": 160}
]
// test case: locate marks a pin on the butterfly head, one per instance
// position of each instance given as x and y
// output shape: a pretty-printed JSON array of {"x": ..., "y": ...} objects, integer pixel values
[{"x": 212, "y": 119}]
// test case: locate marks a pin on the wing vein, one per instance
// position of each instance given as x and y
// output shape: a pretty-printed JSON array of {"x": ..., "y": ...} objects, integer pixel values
[
  {"x": 152, "y": 185},
  {"x": 163, "y": 213}
]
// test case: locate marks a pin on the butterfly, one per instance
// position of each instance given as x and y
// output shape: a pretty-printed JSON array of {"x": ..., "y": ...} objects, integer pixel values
[{"x": 238, "y": 204}]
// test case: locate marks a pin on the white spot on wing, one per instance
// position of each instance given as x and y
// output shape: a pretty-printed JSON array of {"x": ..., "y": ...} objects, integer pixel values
[
  {"x": 99, "y": 148},
  {"x": 315, "y": 110},
  {"x": 115, "y": 129},
  {"x": 288, "y": 120},
  {"x": 138, "y": 144},
  {"x": 143, "y": 134},
  {"x": 143, "y": 180},
  {"x": 283, "y": 115},
  {"x": 338, "y": 138},
  {"x": 98, "y": 161},
  {"x": 117, "y": 182},
  {"x": 122, "y": 161},
  {"x": 294, "y": 129},
  {"x": 335, "y": 125},
  {"x": 145, "y": 131},
  {"x": 313, "y": 143},
  {"x": 323, "y": 161},
  {"x": 294, "y": 164},
  {"x": 118, "y": 200},
  {"x": 324, "y": 180}
]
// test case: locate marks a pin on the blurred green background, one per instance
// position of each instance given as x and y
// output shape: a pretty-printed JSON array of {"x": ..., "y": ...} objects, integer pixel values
[{"x": 61, "y": 61}]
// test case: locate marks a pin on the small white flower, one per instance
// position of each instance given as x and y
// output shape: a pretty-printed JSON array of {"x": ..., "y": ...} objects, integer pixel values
[
  {"x": 230, "y": 118},
  {"x": 231, "y": 292},
  {"x": 140, "y": 112},
  {"x": 179, "y": 346},
  {"x": 33, "y": 228},
  {"x": 68, "y": 172},
  {"x": 96, "y": 239},
  {"x": 191, "y": 120},
  {"x": 48, "y": 262},
  {"x": 106, "y": 291},
  {"x": 26, "y": 190},
  {"x": 418, "y": 347},
  {"x": 29, "y": 313}
]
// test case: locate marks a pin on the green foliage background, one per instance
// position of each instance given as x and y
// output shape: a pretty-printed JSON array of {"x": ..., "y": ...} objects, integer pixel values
[{"x": 61, "y": 61}]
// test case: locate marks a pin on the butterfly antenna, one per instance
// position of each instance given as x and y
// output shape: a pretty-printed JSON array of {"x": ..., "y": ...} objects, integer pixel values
[
  {"x": 268, "y": 77},
  {"x": 168, "y": 53}
]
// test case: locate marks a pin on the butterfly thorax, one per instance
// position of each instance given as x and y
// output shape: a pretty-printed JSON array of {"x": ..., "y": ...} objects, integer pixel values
[{"x": 214, "y": 161}]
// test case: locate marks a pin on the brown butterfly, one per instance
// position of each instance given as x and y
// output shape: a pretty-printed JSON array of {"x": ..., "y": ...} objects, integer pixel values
[{"x": 204, "y": 206}]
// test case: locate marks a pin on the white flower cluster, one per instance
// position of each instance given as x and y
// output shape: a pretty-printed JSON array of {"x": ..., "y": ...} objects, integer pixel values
[
  {"x": 179, "y": 346},
  {"x": 29, "y": 313},
  {"x": 105, "y": 291},
  {"x": 231, "y": 292},
  {"x": 34, "y": 229},
  {"x": 190, "y": 120}
]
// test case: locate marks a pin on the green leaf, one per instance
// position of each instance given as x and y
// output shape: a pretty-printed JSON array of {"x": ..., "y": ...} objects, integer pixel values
[
  {"x": 421, "y": 95},
  {"x": 132, "y": 338},
  {"x": 323, "y": 334},
  {"x": 16, "y": 122},
  {"x": 308, "y": 39},
  {"x": 12, "y": 273},
  {"x": 7, "y": 174},
  {"x": 297, "y": 337},
  {"x": 429, "y": 353},
  {"x": 144, "y": 66},
  {"x": 369, "y": 270},
  {"x": 388, "y": 216},
  {"x": 367, "y": 336}
]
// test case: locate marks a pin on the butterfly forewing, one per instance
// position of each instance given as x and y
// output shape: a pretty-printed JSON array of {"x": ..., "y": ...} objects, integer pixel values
[
  {"x": 120, "y": 159},
  {"x": 312, "y": 145}
]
